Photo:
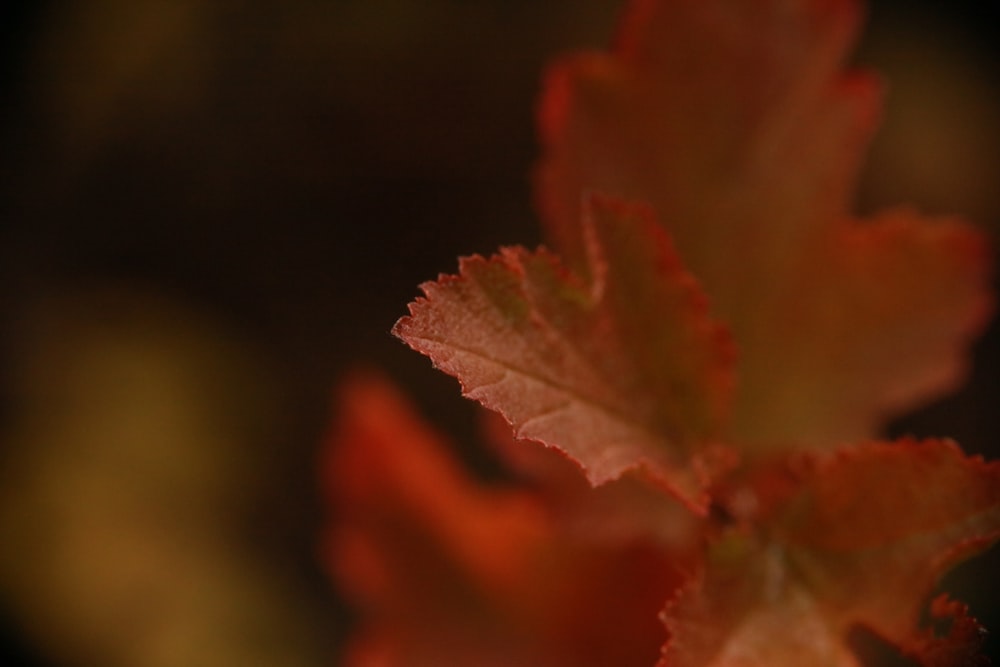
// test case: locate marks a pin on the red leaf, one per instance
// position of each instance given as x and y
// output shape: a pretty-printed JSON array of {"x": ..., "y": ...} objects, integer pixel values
[
  {"x": 861, "y": 537},
  {"x": 402, "y": 499},
  {"x": 738, "y": 123},
  {"x": 734, "y": 119},
  {"x": 447, "y": 571},
  {"x": 621, "y": 371}
]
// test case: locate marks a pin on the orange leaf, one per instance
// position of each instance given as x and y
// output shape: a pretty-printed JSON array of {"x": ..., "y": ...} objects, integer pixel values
[{"x": 447, "y": 571}]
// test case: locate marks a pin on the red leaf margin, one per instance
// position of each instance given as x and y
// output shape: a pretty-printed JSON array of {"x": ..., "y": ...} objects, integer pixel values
[{"x": 622, "y": 370}]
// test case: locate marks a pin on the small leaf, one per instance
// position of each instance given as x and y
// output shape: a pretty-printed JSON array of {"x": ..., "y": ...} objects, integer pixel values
[
  {"x": 622, "y": 371},
  {"x": 858, "y": 538}
]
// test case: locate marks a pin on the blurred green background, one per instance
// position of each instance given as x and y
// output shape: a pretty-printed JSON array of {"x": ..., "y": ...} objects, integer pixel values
[{"x": 209, "y": 210}]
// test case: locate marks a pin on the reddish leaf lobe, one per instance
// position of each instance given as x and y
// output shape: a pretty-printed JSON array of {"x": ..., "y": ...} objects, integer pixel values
[
  {"x": 859, "y": 537},
  {"x": 622, "y": 371}
]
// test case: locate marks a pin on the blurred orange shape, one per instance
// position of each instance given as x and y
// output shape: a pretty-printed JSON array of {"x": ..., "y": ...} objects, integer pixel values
[{"x": 447, "y": 570}]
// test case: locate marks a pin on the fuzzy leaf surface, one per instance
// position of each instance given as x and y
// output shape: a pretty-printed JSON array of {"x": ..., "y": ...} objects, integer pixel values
[{"x": 622, "y": 370}]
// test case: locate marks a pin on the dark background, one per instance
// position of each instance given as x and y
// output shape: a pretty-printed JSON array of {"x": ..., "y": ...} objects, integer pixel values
[{"x": 284, "y": 174}]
